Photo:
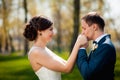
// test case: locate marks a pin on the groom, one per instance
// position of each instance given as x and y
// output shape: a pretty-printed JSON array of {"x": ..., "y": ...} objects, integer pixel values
[{"x": 100, "y": 63}]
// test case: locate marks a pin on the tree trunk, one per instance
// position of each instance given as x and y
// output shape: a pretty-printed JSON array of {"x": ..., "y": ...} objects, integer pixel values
[
  {"x": 11, "y": 44},
  {"x": 25, "y": 41},
  {"x": 76, "y": 22},
  {"x": 58, "y": 25},
  {"x": 5, "y": 44},
  {"x": 0, "y": 45}
]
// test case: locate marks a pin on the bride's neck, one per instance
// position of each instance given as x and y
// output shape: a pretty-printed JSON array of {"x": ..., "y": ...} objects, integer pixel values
[{"x": 40, "y": 43}]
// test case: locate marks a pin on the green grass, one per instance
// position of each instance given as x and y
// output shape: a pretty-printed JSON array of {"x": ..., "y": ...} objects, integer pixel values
[
  {"x": 117, "y": 67},
  {"x": 14, "y": 67}
]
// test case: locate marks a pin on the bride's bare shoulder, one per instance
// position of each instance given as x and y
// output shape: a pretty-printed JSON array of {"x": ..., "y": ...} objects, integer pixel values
[{"x": 36, "y": 51}]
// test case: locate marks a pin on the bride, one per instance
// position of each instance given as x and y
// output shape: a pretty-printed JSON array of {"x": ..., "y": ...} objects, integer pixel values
[{"x": 45, "y": 63}]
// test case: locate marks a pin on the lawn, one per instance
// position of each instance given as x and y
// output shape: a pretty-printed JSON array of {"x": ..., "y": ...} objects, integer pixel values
[{"x": 15, "y": 67}]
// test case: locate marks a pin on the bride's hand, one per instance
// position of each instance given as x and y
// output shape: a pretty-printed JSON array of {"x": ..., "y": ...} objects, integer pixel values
[{"x": 82, "y": 41}]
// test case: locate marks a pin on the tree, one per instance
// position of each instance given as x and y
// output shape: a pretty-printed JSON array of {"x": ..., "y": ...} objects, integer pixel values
[
  {"x": 76, "y": 22},
  {"x": 56, "y": 8},
  {"x": 6, "y": 7},
  {"x": 0, "y": 43},
  {"x": 25, "y": 41}
]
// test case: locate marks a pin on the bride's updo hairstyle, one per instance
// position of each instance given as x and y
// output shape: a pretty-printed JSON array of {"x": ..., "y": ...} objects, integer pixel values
[{"x": 37, "y": 23}]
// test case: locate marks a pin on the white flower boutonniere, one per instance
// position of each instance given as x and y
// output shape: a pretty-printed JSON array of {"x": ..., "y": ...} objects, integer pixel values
[{"x": 94, "y": 47}]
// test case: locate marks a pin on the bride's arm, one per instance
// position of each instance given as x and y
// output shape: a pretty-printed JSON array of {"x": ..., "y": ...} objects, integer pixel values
[
  {"x": 71, "y": 60},
  {"x": 56, "y": 56},
  {"x": 58, "y": 65}
]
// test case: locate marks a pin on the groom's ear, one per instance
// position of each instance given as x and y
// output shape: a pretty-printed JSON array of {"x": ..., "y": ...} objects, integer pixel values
[{"x": 95, "y": 27}]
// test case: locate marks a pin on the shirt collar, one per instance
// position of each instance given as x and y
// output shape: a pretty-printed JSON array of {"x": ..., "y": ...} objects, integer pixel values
[{"x": 100, "y": 37}]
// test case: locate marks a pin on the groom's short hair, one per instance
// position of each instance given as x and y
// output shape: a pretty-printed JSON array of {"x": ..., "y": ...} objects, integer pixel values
[{"x": 93, "y": 17}]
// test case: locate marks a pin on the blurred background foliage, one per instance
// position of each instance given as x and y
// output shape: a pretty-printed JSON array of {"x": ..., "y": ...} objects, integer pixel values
[{"x": 65, "y": 14}]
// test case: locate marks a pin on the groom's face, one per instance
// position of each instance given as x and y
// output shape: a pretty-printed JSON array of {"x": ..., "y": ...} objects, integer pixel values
[{"x": 87, "y": 30}]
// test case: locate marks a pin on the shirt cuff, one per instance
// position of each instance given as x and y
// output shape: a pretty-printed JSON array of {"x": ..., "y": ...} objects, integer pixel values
[{"x": 82, "y": 48}]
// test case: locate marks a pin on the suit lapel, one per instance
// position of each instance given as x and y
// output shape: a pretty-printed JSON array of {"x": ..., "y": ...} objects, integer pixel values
[
  {"x": 99, "y": 43},
  {"x": 103, "y": 39}
]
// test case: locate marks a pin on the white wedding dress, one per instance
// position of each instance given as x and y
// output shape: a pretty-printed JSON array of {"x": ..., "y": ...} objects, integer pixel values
[{"x": 44, "y": 73}]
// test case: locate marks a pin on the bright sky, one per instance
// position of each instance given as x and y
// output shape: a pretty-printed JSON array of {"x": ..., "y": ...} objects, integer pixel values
[
  {"x": 115, "y": 7},
  {"x": 115, "y": 13}
]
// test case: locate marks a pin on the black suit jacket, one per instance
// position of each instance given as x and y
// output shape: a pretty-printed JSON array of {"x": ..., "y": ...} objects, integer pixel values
[{"x": 101, "y": 62}]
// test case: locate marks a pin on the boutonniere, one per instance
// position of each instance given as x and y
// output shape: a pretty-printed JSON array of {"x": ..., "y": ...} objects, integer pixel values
[{"x": 94, "y": 47}]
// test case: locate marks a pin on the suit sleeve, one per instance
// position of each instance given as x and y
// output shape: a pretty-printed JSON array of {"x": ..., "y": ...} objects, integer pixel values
[{"x": 99, "y": 58}]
